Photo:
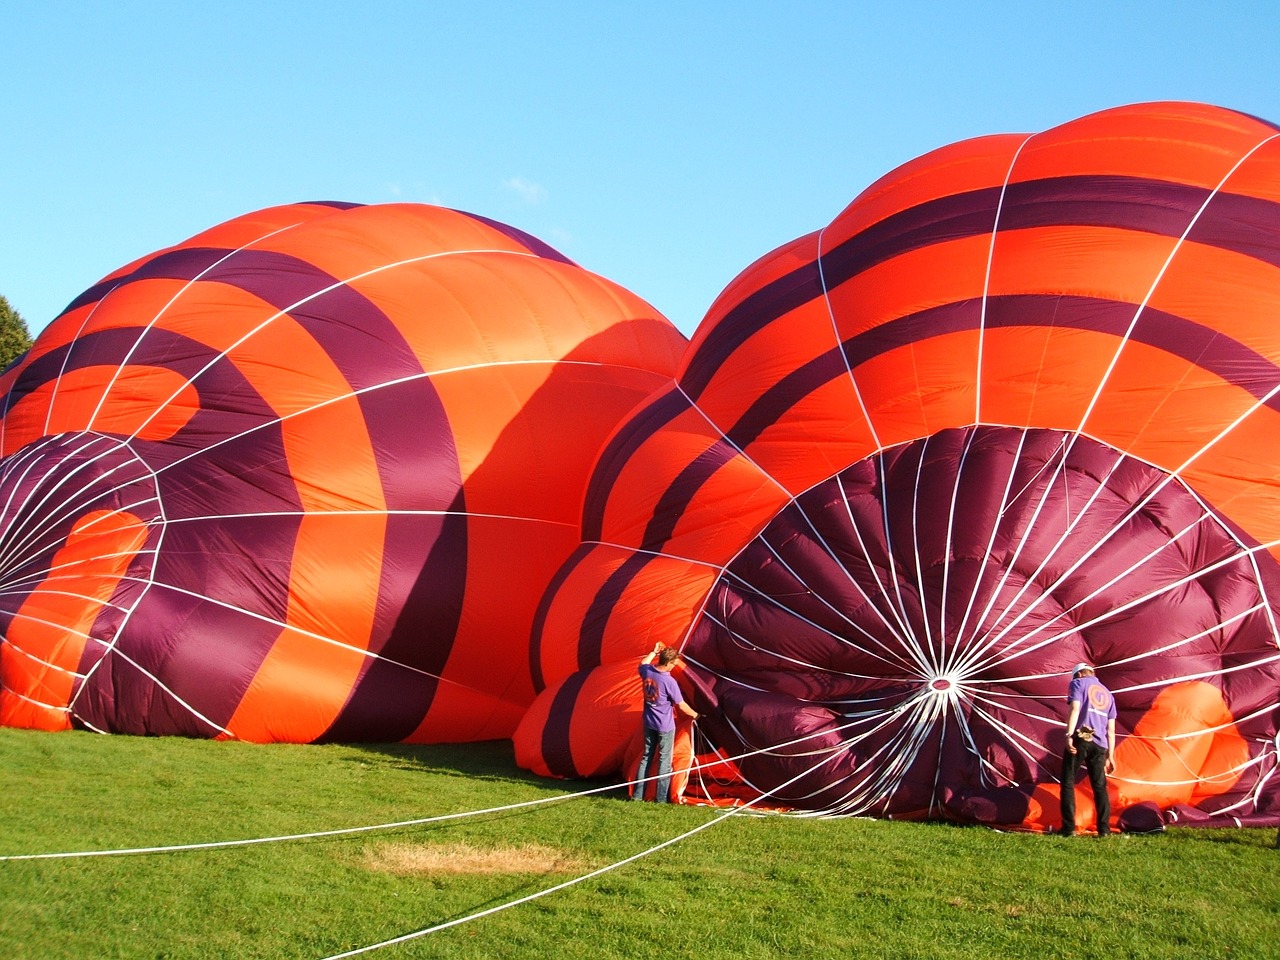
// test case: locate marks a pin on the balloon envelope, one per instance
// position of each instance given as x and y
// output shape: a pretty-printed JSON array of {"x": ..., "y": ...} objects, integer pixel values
[
  {"x": 1016, "y": 407},
  {"x": 305, "y": 476}
]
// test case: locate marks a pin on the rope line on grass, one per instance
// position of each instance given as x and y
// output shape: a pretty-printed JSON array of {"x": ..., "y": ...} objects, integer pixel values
[
  {"x": 399, "y": 824},
  {"x": 834, "y": 751}
]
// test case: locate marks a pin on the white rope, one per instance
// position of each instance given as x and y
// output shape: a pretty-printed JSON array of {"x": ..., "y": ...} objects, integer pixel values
[{"x": 734, "y": 811}]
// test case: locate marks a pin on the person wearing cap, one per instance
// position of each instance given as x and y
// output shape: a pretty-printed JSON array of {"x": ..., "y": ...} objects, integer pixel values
[
  {"x": 1091, "y": 737},
  {"x": 661, "y": 697}
]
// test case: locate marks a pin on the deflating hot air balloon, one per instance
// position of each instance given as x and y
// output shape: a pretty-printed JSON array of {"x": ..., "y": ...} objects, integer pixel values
[
  {"x": 304, "y": 477},
  {"x": 1016, "y": 407}
]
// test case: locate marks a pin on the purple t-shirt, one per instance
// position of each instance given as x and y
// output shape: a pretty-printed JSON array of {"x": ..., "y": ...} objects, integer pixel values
[
  {"x": 661, "y": 692},
  {"x": 1097, "y": 706}
]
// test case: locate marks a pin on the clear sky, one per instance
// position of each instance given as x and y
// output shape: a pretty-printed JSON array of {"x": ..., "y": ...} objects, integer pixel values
[{"x": 663, "y": 145}]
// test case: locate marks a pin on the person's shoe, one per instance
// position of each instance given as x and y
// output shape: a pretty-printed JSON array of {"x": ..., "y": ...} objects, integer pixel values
[{"x": 1062, "y": 832}]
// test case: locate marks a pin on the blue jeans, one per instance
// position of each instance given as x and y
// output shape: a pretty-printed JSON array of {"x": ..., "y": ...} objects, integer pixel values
[{"x": 661, "y": 740}]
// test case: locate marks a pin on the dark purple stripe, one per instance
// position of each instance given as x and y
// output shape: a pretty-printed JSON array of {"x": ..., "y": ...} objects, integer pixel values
[
  {"x": 1245, "y": 225},
  {"x": 389, "y": 702},
  {"x": 526, "y": 240},
  {"x": 646, "y": 422},
  {"x": 1193, "y": 342},
  {"x": 544, "y": 608},
  {"x": 407, "y": 420},
  {"x": 666, "y": 514},
  {"x": 557, "y": 748}
]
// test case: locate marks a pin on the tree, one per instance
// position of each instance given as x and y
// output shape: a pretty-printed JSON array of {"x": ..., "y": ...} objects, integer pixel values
[{"x": 15, "y": 338}]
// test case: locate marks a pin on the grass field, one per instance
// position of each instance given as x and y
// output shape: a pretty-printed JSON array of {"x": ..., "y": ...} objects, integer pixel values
[{"x": 745, "y": 887}]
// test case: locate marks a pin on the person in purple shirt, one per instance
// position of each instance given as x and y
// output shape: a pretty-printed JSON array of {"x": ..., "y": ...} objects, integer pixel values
[
  {"x": 661, "y": 698},
  {"x": 1091, "y": 737}
]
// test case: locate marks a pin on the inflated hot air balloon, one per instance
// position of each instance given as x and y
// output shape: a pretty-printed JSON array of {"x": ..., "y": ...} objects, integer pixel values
[
  {"x": 1016, "y": 407},
  {"x": 305, "y": 476}
]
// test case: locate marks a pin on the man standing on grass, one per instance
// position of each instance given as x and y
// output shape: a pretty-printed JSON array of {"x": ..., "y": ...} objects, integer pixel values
[
  {"x": 661, "y": 697},
  {"x": 1091, "y": 737}
]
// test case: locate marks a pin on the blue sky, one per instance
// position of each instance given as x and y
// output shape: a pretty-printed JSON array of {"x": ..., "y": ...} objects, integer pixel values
[{"x": 665, "y": 146}]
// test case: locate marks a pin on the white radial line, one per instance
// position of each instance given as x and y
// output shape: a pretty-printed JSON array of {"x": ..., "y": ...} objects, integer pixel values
[
  {"x": 34, "y": 658},
  {"x": 1020, "y": 742},
  {"x": 72, "y": 344},
  {"x": 1203, "y": 674},
  {"x": 147, "y": 584},
  {"x": 830, "y": 704},
  {"x": 995, "y": 633},
  {"x": 959, "y": 641},
  {"x": 54, "y": 572},
  {"x": 299, "y": 631},
  {"x": 1123, "y": 341},
  {"x": 947, "y": 655},
  {"x": 1266, "y": 600},
  {"x": 835, "y": 330},
  {"x": 935, "y": 650},
  {"x": 941, "y": 716},
  {"x": 23, "y": 589},
  {"x": 1155, "y": 283},
  {"x": 988, "y": 772},
  {"x": 986, "y": 277},
  {"x": 276, "y": 421},
  {"x": 1227, "y": 776},
  {"x": 890, "y": 657},
  {"x": 32, "y": 700},
  {"x": 1107, "y": 615},
  {"x": 830, "y": 551},
  {"x": 821, "y": 599},
  {"x": 961, "y": 635},
  {"x": 124, "y": 362},
  {"x": 903, "y": 630},
  {"x": 1183, "y": 641},
  {"x": 29, "y": 458},
  {"x": 261, "y": 514},
  {"x": 909, "y": 638},
  {"x": 1033, "y": 708},
  {"x": 1115, "y": 358},
  {"x": 972, "y": 645},
  {"x": 34, "y": 548},
  {"x": 743, "y": 642},
  {"x": 1228, "y": 726},
  {"x": 287, "y": 311},
  {"x": 1100, "y": 589},
  {"x": 16, "y": 537},
  {"x": 729, "y": 442},
  {"x": 117, "y": 652},
  {"x": 43, "y": 520},
  {"x": 1057, "y": 458}
]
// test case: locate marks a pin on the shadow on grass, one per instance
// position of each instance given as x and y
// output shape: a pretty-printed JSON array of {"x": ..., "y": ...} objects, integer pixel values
[{"x": 490, "y": 760}]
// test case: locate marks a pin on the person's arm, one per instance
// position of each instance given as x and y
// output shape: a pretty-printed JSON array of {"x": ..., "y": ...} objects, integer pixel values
[
  {"x": 653, "y": 654},
  {"x": 1071, "y": 724},
  {"x": 687, "y": 710},
  {"x": 1111, "y": 746}
]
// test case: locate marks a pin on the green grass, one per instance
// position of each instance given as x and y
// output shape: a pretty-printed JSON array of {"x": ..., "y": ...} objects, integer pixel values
[{"x": 748, "y": 887}]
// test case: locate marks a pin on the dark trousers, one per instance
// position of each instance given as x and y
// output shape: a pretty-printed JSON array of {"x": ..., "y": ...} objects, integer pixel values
[{"x": 1095, "y": 758}]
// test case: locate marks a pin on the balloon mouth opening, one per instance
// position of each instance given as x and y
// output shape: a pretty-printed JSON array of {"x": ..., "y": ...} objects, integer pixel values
[{"x": 892, "y": 634}]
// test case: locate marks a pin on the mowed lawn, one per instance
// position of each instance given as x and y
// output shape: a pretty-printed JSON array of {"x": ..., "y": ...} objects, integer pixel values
[{"x": 744, "y": 887}]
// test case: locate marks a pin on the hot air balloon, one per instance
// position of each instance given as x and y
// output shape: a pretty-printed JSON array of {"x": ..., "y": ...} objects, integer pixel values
[
  {"x": 1016, "y": 407},
  {"x": 305, "y": 476}
]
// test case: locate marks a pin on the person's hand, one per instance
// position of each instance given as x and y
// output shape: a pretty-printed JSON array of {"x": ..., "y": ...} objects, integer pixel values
[
  {"x": 1071, "y": 746},
  {"x": 1110, "y": 765},
  {"x": 657, "y": 647}
]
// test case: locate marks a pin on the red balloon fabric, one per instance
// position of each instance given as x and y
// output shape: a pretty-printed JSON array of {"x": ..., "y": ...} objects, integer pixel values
[
  {"x": 1016, "y": 407},
  {"x": 305, "y": 476}
]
